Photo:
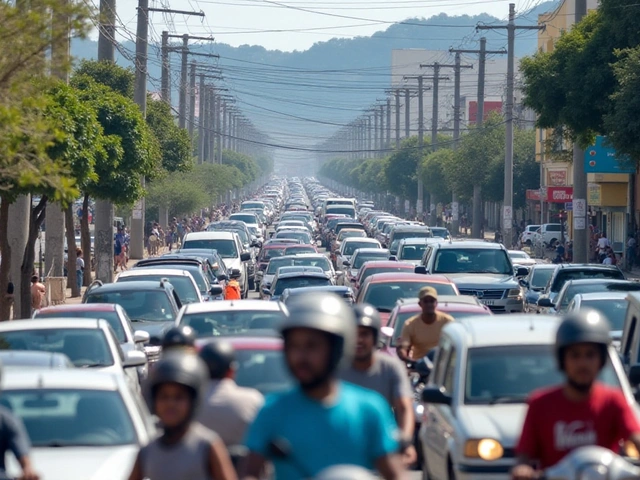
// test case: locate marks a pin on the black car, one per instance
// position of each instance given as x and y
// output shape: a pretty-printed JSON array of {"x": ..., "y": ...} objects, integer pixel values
[{"x": 151, "y": 306}]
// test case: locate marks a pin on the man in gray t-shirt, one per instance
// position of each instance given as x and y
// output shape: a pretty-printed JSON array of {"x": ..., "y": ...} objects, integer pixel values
[{"x": 385, "y": 374}]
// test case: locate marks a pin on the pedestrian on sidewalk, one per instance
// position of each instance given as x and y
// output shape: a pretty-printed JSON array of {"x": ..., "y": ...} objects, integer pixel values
[
  {"x": 38, "y": 291},
  {"x": 603, "y": 244},
  {"x": 631, "y": 252},
  {"x": 79, "y": 268}
]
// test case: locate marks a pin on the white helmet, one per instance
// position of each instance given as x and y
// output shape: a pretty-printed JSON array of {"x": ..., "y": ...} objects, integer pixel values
[{"x": 345, "y": 472}]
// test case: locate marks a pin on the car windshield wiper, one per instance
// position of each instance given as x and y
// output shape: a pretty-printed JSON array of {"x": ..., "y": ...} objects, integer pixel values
[
  {"x": 384, "y": 309},
  {"x": 507, "y": 399},
  {"x": 94, "y": 365}
]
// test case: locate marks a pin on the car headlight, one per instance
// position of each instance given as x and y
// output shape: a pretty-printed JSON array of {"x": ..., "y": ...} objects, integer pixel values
[
  {"x": 515, "y": 293},
  {"x": 630, "y": 450},
  {"x": 485, "y": 448},
  {"x": 419, "y": 410}
]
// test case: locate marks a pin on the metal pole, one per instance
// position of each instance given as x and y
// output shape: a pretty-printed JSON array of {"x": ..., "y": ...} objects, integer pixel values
[
  {"x": 182, "y": 107},
  {"x": 369, "y": 137},
  {"x": 397, "y": 119},
  {"x": 477, "y": 221},
  {"x": 387, "y": 144},
  {"x": 218, "y": 130},
  {"x": 507, "y": 208},
  {"x": 381, "y": 137},
  {"x": 375, "y": 131},
  {"x": 205, "y": 122},
  {"x": 202, "y": 114},
  {"x": 407, "y": 113},
  {"x": 580, "y": 228},
  {"x": 434, "y": 134},
  {"x": 166, "y": 68},
  {"x": 420, "y": 201},
  {"x": 192, "y": 98},
  {"x": 456, "y": 136},
  {"x": 225, "y": 138},
  {"x": 212, "y": 122}
]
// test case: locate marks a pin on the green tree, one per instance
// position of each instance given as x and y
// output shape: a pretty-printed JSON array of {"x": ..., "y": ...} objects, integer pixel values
[
  {"x": 246, "y": 165},
  {"x": 401, "y": 171},
  {"x": 174, "y": 141},
  {"x": 432, "y": 171},
  {"x": 119, "y": 79},
  {"x": 180, "y": 192}
]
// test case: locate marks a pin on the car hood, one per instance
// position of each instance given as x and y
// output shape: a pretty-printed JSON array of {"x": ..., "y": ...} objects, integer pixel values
[
  {"x": 89, "y": 463},
  {"x": 483, "y": 280},
  {"x": 154, "y": 329},
  {"x": 502, "y": 422}
]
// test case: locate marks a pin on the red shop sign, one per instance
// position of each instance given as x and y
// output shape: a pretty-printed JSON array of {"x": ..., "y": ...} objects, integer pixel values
[
  {"x": 533, "y": 195},
  {"x": 559, "y": 194}
]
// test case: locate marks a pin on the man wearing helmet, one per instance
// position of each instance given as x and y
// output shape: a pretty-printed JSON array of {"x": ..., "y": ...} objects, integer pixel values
[
  {"x": 227, "y": 408},
  {"x": 382, "y": 373},
  {"x": 580, "y": 412},
  {"x": 186, "y": 449},
  {"x": 321, "y": 422}
]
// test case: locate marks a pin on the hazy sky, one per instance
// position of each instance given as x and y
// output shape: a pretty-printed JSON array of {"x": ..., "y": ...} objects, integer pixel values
[{"x": 297, "y": 24}]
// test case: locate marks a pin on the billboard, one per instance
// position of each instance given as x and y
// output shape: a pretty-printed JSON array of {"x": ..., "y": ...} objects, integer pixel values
[
  {"x": 601, "y": 158},
  {"x": 559, "y": 194},
  {"x": 488, "y": 108}
]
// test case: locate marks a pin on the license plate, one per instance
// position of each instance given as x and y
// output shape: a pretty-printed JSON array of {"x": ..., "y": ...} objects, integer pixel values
[{"x": 488, "y": 302}]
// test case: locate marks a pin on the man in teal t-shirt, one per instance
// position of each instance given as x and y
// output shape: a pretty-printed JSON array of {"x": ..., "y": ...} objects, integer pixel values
[{"x": 321, "y": 422}]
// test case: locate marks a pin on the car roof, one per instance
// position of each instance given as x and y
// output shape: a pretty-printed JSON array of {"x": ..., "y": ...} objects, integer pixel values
[
  {"x": 142, "y": 272},
  {"x": 302, "y": 274},
  {"x": 471, "y": 244},
  {"x": 421, "y": 241},
  {"x": 406, "y": 277},
  {"x": 585, "y": 266},
  {"x": 68, "y": 379},
  {"x": 544, "y": 266},
  {"x": 388, "y": 263},
  {"x": 444, "y": 299},
  {"x": 174, "y": 259},
  {"x": 145, "y": 285},
  {"x": 505, "y": 330},
  {"x": 81, "y": 307},
  {"x": 603, "y": 296},
  {"x": 54, "y": 323},
  {"x": 253, "y": 342},
  {"x": 231, "y": 305},
  {"x": 361, "y": 239},
  {"x": 341, "y": 289},
  {"x": 298, "y": 256},
  {"x": 211, "y": 234}
]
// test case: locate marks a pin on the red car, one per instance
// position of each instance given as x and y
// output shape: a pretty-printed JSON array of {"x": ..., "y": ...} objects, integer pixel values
[
  {"x": 268, "y": 252},
  {"x": 383, "y": 266},
  {"x": 383, "y": 290},
  {"x": 456, "y": 306},
  {"x": 298, "y": 249},
  {"x": 260, "y": 362}
]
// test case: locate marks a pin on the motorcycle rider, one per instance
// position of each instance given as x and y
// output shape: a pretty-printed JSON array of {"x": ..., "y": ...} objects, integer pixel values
[
  {"x": 580, "y": 412},
  {"x": 227, "y": 408},
  {"x": 233, "y": 291},
  {"x": 321, "y": 422},
  {"x": 181, "y": 337},
  {"x": 186, "y": 449},
  {"x": 383, "y": 373}
]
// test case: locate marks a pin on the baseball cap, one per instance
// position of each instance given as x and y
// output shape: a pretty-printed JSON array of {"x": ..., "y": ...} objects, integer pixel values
[{"x": 428, "y": 292}]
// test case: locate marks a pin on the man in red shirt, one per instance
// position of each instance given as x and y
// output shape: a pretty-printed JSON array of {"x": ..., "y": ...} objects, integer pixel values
[{"x": 580, "y": 412}]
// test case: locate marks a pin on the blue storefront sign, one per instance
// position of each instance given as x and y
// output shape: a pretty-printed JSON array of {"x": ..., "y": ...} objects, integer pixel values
[
  {"x": 602, "y": 158},
  {"x": 568, "y": 206}
]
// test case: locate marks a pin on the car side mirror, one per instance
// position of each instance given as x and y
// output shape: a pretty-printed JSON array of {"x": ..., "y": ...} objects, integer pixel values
[
  {"x": 339, "y": 273},
  {"x": 634, "y": 375},
  {"x": 436, "y": 396},
  {"x": 522, "y": 272},
  {"x": 346, "y": 263},
  {"x": 255, "y": 243},
  {"x": 420, "y": 269},
  {"x": 135, "y": 358},
  {"x": 545, "y": 302},
  {"x": 266, "y": 291},
  {"x": 245, "y": 257},
  {"x": 215, "y": 290},
  {"x": 393, "y": 258},
  {"x": 223, "y": 277},
  {"x": 387, "y": 332},
  {"x": 524, "y": 283},
  {"x": 140, "y": 336},
  {"x": 393, "y": 252}
]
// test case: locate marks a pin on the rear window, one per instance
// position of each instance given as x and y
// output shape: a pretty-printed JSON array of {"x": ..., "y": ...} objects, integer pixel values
[
  {"x": 349, "y": 211},
  {"x": 244, "y": 217},
  {"x": 111, "y": 317},
  {"x": 564, "y": 276},
  {"x": 554, "y": 228},
  {"x": 412, "y": 234},
  {"x": 225, "y": 248},
  {"x": 147, "y": 306},
  {"x": 183, "y": 285}
]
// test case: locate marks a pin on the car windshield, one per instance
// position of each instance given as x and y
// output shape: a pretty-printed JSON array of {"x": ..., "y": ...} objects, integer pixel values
[
  {"x": 519, "y": 255},
  {"x": 303, "y": 236},
  {"x": 360, "y": 260},
  {"x": 184, "y": 287},
  {"x": 264, "y": 370},
  {"x": 226, "y": 248},
  {"x": 509, "y": 374},
  {"x": 404, "y": 316},
  {"x": 440, "y": 232},
  {"x": 541, "y": 277},
  {"x": 213, "y": 324},
  {"x": 570, "y": 291},
  {"x": 296, "y": 282},
  {"x": 148, "y": 306},
  {"x": 72, "y": 418},
  {"x": 276, "y": 263},
  {"x": 412, "y": 234},
  {"x": 85, "y": 347},
  {"x": 564, "y": 276},
  {"x": 472, "y": 260},
  {"x": 244, "y": 217},
  {"x": 412, "y": 252},
  {"x": 384, "y": 296},
  {"x": 249, "y": 206},
  {"x": 110, "y": 316},
  {"x": 351, "y": 234},
  {"x": 298, "y": 250},
  {"x": 367, "y": 272},
  {"x": 351, "y": 247},
  {"x": 269, "y": 253},
  {"x": 614, "y": 309},
  {"x": 346, "y": 210}
]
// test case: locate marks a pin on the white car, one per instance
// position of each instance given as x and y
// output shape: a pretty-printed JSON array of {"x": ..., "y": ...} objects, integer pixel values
[
  {"x": 182, "y": 281},
  {"x": 518, "y": 257},
  {"x": 349, "y": 246},
  {"x": 475, "y": 401},
  {"x": 89, "y": 343},
  {"x": 526, "y": 238},
  {"x": 250, "y": 219},
  {"x": 230, "y": 316},
  {"x": 82, "y": 424}
]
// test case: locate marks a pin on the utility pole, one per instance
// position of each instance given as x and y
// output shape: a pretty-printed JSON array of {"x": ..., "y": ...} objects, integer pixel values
[
  {"x": 381, "y": 137},
  {"x": 165, "y": 86},
  {"x": 375, "y": 131},
  {"x": 192, "y": 97},
  {"x": 477, "y": 189},
  {"x": 580, "y": 229},
  {"x": 218, "y": 131},
  {"x": 397, "y": 119},
  {"x": 387, "y": 144},
  {"x": 182, "y": 106},
  {"x": 103, "y": 243},
  {"x": 203, "y": 118},
  {"x": 369, "y": 138},
  {"x": 507, "y": 208},
  {"x": 407, "y": 113}
]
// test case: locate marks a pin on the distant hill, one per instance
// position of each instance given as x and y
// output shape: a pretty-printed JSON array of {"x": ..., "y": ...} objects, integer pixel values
[{"x": 301, "y": 84}]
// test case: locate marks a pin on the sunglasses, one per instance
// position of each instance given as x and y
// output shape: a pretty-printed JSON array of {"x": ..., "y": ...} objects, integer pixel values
[{"x": 428, "y": 300}]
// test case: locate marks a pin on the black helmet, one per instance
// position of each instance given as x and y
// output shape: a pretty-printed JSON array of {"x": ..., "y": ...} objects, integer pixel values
[
  {"x": 235, "y": 273},
  {"x": 585, "y": 326},
  {"x": 328, "y": 313},
  {"x": 177, "y": 367},
  {"x": 180, "y": 336},
  {"x": 220, "y": 357},
  {"x": 368, "y": 316}
]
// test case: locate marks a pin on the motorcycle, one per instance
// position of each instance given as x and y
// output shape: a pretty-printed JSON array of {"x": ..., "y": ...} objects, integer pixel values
[{"x": 592, "y": 463}]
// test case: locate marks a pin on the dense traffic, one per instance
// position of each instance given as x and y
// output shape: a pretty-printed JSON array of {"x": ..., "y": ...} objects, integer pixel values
[{"x": 311, "y": 335}]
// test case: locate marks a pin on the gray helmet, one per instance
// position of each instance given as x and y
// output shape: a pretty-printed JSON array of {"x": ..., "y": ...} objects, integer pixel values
[
  {"x": 180, "y": 336},
  {"x": 368, "y": 316},
  {"x": 325, "y": 312},
  {"x": 219, "y": 356},
  {"x": 177, "y": 367},
  {"x": 345, "y": 472},
  {"x": 585, "y": 326}
]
